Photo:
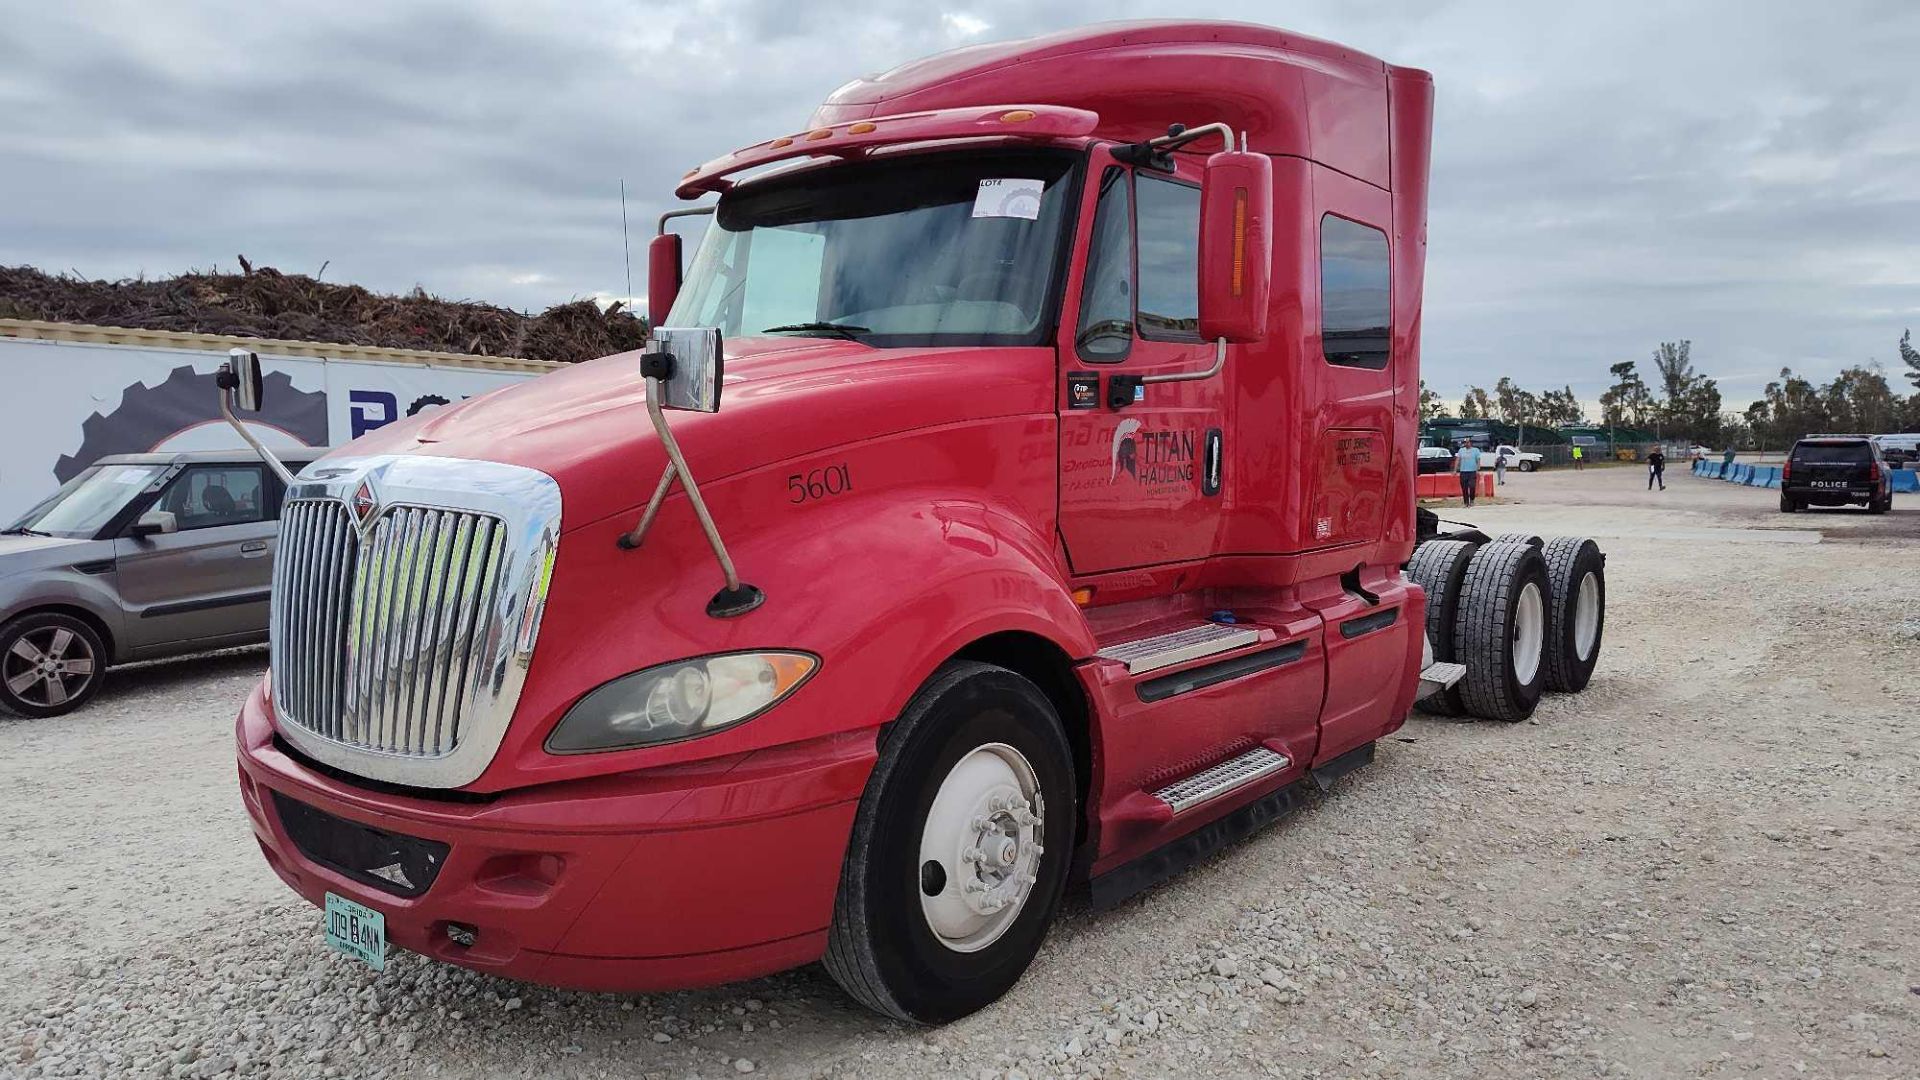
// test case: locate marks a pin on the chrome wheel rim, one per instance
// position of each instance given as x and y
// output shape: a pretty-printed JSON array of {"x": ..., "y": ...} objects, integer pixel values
[
  {"x": 48, "y": 667},
  {"x": 1529, "y": 619},
  {"x": 1586, "y": 617},
  {"x": 980, "y": 847}
]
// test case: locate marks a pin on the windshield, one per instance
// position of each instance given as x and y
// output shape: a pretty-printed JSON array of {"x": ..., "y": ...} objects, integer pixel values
[
  {"x": 944, "y": 249},
  {"x": 85, "y": 504}
]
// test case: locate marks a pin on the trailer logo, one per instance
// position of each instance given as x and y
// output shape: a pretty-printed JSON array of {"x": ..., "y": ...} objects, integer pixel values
[{"x": 1125, "y": 455}]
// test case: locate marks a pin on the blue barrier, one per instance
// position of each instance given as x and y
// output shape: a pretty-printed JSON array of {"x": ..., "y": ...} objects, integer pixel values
[
  {"x": 1766, "y": 476},
  {"x": 1905, "y": 480},
  {"x": 1741, "y": 473}
]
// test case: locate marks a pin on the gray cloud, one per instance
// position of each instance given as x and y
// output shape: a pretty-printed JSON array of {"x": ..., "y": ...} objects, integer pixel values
[{"x": 1743, "y": 174}]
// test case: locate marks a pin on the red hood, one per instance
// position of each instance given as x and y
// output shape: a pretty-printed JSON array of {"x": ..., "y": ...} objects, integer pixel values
[{"x": 587, "y": 427}]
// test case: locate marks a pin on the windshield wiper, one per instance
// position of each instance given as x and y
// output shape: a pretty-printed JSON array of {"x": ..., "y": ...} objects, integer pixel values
[
  {"x": 21, "y": 530},
  {"x": 845, "y": 330}
]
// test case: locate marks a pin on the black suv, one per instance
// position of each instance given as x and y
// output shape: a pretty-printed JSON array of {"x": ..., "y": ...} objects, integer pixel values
[{"x": 1836, "y": 470}]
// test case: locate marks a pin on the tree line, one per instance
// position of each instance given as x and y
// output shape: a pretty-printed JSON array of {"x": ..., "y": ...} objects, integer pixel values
[{"x": 1682, "y": 405}]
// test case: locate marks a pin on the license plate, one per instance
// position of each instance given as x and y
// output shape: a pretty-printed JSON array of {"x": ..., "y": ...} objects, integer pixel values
[{"x": 357, "y": 930}]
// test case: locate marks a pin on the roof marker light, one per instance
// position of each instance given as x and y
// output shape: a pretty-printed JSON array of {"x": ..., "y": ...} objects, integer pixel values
[
  {"x": 1017, "y": 116},
  {"x": 861, "y": 128},
  {"x": 819, "y": 133},
  {"x": 780, "y": 142}
]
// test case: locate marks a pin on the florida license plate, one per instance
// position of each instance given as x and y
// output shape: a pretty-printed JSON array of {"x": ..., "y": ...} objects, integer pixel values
[{"x": 357, "y": 930}]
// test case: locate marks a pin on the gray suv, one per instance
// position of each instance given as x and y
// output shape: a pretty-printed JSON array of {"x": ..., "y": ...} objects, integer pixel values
[{"x": 141, "y": 556}]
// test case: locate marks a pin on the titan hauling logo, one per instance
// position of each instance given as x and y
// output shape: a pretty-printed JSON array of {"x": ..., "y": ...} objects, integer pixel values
[{"x": 1152, "y": 457}]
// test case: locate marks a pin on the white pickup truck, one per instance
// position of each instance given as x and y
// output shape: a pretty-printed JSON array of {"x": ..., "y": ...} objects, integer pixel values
[{"x": 1523, "y": 460}]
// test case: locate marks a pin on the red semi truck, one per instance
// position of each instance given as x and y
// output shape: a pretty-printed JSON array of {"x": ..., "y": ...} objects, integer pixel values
[{"x": 1058, "y": 528}]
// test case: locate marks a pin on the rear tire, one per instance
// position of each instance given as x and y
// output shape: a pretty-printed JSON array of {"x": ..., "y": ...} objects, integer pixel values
[
  {"x": 1519, "y": 538},
  {"x": 1576, "y": 612},
  {"x": 1787, "y": 505},
  {"x": 1528, "y": 466},
  {"x": 1439, "y": 567},
  {"x": 50, "y": 665},
  {"x": 906, "y": 941},
  {"x": 1880, "y": 506},
  {"x": 1500, "y": 632}
]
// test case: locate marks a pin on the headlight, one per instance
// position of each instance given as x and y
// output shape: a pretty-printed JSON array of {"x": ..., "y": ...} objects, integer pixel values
[{"x": 679, "y": 701}]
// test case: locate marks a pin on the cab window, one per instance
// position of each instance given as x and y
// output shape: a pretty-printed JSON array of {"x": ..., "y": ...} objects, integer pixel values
[
  {"x": 1105, "y": 333},
  {"x": 208, "y": 496},
  {"x": 1168, "y": 217}
]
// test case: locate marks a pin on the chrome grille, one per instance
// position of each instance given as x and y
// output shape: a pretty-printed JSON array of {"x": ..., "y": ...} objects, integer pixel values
[
  {"x": 400, "y": 643},
  {"x": 377, "y": 643}
]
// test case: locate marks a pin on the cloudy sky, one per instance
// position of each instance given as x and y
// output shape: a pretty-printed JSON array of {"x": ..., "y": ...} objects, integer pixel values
[{"x": 1607, "y": 176}]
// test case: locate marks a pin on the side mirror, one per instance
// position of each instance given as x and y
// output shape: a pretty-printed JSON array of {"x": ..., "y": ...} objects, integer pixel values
[
  {"x": 1236, "y": 246},
  {"x": 242, "y": 379},
  {"x": 155, "y": 521},
  {"x": 687, "y": 361},
  {"x": 663, "y": 276}
]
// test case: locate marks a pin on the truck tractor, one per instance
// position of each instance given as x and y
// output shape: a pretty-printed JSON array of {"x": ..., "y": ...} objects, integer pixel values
[{"x": 1017, "y": 494}]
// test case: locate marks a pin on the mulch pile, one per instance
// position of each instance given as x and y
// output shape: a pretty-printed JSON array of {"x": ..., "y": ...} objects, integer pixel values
[{"x": 263, "y": 302}]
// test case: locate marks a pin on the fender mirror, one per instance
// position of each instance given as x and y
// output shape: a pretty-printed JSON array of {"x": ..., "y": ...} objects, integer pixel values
[
  {"x": 155, "y": 522},
  {"x": 1236, "y": 246},
  {"x": 663, "y": 276}
]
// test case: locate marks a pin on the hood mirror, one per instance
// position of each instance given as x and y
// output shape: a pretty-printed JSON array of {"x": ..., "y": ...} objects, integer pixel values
[
  {"x": 687, "y": 363},
  {"x": 242, "y": 387},
  {"x": 681, "y": 370}
]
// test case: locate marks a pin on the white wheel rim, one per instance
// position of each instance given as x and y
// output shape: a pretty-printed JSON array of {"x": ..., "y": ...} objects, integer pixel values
[
  {"x": 1586, "y": 617},
  {"x": 1529, "y": 619},
  {"x": 984, "y": 833}
]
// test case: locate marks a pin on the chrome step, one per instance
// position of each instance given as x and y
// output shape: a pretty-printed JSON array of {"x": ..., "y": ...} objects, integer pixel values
[
  {"x": 1209, "y": 784},
  {"x": 1179, "y": 646}
]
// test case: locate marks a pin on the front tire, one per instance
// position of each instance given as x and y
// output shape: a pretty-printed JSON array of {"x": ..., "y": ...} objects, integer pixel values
[
  {"x": 959, "y": 851},
  {"x": 50, "y": 664}
]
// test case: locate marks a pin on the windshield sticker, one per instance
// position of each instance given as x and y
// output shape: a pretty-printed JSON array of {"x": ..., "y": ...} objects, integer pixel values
[{"x": 1009, "y": 199}]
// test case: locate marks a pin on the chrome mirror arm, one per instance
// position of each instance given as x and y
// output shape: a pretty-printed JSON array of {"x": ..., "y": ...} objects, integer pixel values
[
  {"x": 736, "y": 598},
  {"x": 226, "y": 377}
]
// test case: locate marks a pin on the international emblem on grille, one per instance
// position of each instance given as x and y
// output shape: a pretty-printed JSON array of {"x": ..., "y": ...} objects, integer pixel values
[{"x": 363, "y": 504}]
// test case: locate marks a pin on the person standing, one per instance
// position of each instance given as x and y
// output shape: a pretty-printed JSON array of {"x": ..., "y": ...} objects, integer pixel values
[
  {"x": 1579, "y": 459},
  {"x": 1468, "y": 462},
  {"x": 1656, "y": 470},
  {"x": 1499, "y": 468}
]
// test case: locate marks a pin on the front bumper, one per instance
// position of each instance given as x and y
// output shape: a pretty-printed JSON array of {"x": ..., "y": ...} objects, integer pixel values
[{"x": 663, "y": 879}]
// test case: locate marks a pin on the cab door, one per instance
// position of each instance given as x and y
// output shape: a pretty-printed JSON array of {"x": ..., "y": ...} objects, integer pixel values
[{"x": 1140, "y": 463}]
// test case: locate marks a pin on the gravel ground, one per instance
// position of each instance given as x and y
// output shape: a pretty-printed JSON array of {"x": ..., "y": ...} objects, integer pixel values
[{"x": 1706, "y": 865}]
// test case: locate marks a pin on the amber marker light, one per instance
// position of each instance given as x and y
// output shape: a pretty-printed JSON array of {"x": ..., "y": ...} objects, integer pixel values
[
  {"x": 819, "y": 133},
  {"x": 1083, "y": 595},
  {"x": 780, "y": 142},
  {"x": 1239, "y": 239},
  {"x": 861, "y": 128},
  {"x": 1017, "y": 116}
]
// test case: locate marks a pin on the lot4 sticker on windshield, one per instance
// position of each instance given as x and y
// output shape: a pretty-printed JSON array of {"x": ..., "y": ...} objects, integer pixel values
[{"x": 1009, "y": 199}]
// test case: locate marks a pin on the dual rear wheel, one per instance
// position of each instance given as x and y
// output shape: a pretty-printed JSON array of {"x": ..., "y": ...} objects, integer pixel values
[{"x": 1524, "y": 615}]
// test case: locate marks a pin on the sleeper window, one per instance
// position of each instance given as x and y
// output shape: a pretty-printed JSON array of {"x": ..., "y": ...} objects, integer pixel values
[{"x": 1355, "y": 316}]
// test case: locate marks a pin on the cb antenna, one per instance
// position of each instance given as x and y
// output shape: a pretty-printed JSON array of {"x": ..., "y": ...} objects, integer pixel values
[{"x": 626, "y": 248}]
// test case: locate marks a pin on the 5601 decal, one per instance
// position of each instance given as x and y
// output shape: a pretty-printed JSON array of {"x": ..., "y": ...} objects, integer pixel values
[{"x": 818, "y": 484}]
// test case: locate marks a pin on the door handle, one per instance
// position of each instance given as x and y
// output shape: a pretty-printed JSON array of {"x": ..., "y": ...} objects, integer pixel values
[{"x": 252, "y": 548}]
